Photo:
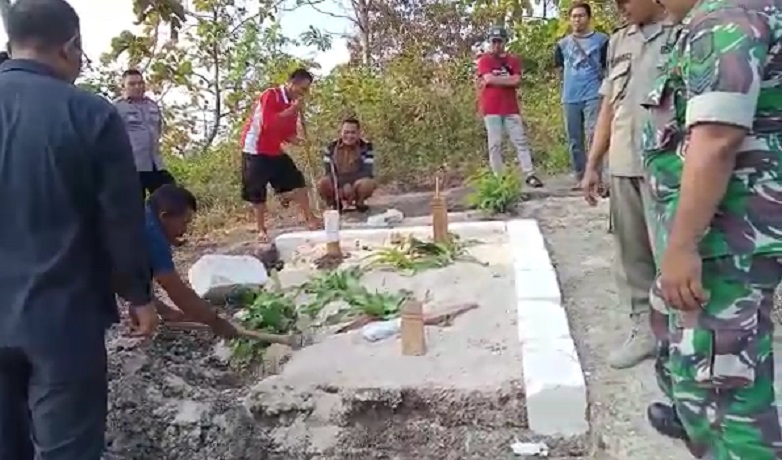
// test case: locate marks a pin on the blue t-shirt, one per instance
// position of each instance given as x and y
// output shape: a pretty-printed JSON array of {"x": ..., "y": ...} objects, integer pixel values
[
  {"x": 582, "y": 75},
  {"x": 161, "y": 259}
]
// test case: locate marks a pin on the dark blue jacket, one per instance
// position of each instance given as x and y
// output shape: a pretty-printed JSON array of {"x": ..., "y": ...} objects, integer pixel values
[{"x": 71, "y": 220}]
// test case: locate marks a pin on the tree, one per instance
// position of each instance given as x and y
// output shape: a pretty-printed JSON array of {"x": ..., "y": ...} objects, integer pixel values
[{"x": 225, "y": 52}]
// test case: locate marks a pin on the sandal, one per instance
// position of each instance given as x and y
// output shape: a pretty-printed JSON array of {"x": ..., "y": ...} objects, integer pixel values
[
  {"x": 362, "y": 208},
  {"x": 533, "y": 181}
]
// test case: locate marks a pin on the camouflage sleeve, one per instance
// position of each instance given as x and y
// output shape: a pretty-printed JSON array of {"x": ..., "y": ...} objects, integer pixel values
[
  {"x": 606, "y": 87},
  {"x": 722, "y": 66}
]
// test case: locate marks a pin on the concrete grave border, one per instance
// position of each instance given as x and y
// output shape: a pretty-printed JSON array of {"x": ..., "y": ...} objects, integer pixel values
[{"x": 554, "y": 382}]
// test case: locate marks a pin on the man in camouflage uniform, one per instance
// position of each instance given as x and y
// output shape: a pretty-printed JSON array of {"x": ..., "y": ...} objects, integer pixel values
[
  {"x": 713, "y": 155},
  {"x": 633, "y": 54}
]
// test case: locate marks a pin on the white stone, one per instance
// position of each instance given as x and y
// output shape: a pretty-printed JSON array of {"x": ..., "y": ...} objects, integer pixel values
[
  {"x": 394, "y": 216},
  {"x": 378, "y": 220},
  {"x": 537, "y": 284},
  {"x": 215, "y": 275},
  {"x": 542, "y": 320},
  {"x": 190, "y": 412},
  {"x": 555, "y": 388}
]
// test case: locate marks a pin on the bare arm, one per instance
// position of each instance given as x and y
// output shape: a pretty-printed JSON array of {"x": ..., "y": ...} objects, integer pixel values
[
  {"x": 512, "y": 81},
  {"x": 720, "y": 111},
  {"x": 602, "y": 137},
  {"x": 186, "y": 299}
]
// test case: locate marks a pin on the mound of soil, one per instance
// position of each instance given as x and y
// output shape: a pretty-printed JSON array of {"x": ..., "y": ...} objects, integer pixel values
[{"x": 176, "y": 398}]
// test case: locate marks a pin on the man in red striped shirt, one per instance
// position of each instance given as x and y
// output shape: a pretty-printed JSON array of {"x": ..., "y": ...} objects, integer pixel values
[{"x": 274, "y": 122}]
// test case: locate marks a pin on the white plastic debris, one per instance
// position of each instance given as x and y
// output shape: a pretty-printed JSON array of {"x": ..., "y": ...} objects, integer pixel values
[
  {"x": 394, "y": 216},
  {"x": 388, "y": 218},
  {"x": 214, "y": 276},
  {"x": 535, "y": 449},
  {"x": 379, "y": 330}
]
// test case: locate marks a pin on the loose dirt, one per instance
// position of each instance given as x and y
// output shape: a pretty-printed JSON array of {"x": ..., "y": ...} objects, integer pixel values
[{"x": 177, "y": 399}]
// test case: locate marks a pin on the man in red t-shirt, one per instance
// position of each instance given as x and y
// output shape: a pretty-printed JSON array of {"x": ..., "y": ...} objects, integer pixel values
[
  {"x": 274, "y": 122},
  {"x": 499, "y": 74}
]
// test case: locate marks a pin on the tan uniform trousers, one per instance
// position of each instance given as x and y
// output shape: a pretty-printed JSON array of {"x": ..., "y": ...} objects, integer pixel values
[{"x": 635, "y": 268}]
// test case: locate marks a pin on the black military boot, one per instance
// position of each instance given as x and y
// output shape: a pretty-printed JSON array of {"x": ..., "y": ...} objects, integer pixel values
[
  {"x": 663, "y": 418},
  {"x": 665, "y": 421}
]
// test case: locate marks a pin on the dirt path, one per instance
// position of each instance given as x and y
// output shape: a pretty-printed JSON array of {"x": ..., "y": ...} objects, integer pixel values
[{"x": 582, "y": 253}]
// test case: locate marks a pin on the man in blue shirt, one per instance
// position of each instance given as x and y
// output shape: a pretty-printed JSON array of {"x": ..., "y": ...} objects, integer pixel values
[
  {"x": 581, "y": 60},
  {"x": 72, "y": 226},
  {"x": 169, "y": 211}
]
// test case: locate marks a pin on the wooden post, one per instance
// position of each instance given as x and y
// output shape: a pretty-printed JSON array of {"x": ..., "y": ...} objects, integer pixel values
[
  {"x": 331, "y": 225},
  {"x": 412, "y": 329},
  {"x": 439, "y": 215}
]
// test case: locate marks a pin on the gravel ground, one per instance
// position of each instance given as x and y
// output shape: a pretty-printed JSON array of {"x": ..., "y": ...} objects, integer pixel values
[{"x": 175, "y": 398}]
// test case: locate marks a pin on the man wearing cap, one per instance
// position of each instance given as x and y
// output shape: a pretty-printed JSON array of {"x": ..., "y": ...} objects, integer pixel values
[
  {"x": 713, "y": 155},
  {"x": 634, "y": 52},
  {"x": 499, "y": 75}
]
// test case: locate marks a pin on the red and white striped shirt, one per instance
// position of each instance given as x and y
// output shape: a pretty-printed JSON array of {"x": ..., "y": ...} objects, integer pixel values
[{"x": 265, "y": 131}]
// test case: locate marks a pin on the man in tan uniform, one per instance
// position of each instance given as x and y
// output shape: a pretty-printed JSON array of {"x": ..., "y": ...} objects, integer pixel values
[{"x": 634, "y": 51}]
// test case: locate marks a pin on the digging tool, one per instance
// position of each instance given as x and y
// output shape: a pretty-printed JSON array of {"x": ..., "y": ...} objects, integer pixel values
[
  {"x": 308, "y": 158},
  {"x": 292, "y": 340}
]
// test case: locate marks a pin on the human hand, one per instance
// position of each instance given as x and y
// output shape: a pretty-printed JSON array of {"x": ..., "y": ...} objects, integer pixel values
[
  {"x": 590, "y": 186},
  {"x": 143, "y": 320},
  {"x": 680, "y": 278},
  {"x": 169, "y": 314},
  {"x": 298, "y": 103}
]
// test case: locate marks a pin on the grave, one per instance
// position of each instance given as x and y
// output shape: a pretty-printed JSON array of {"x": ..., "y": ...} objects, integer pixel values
[{"x": 505, "y": 370}]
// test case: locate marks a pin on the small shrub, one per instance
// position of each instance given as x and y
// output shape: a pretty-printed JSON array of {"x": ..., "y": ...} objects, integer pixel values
[{"x": 495, "y": 194}]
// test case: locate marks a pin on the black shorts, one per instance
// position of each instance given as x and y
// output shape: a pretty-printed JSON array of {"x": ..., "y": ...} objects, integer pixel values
[{"x": 258, "y": 171}]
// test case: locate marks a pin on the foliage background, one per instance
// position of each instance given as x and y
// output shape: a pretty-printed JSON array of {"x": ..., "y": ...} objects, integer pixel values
[{"x": 410, "y": 81}]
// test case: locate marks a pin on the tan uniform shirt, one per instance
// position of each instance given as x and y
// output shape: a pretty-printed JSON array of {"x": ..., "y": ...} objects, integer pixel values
[{"x": 633, "y": 55}]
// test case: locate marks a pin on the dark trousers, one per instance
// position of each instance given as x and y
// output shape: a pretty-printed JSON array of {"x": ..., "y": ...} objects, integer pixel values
[
  {"x": 48, "y": 417},
  {"x": 153, "y": 180}
]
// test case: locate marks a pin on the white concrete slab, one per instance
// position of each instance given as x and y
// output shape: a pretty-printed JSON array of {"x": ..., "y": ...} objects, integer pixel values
[
  {"x": 541, "y": 320},
  {"x": 555, "y": 387},
  {"x": 554, "y": 383}
]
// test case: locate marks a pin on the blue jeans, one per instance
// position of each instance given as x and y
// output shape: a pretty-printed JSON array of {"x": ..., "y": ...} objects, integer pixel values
[
  {"x": 48, "y": 416},
  {"x": 580, "y": 121}
]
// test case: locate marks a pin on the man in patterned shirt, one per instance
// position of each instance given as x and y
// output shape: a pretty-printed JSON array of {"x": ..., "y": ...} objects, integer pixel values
[{"x": 713, "y": 154}]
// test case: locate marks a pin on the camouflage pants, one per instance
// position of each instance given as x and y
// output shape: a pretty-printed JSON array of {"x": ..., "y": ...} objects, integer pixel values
[{"x": 717, "y": 365}]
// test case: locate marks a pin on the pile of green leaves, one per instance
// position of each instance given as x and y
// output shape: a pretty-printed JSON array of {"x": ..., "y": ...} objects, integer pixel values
[
  {"x": 276, "y": 311},
  {"x": 495, "y": 194},
  {"x": 345, "y": 285},
  {"x": 268, "y": 311},
  {"x": 413, "y": 255}
]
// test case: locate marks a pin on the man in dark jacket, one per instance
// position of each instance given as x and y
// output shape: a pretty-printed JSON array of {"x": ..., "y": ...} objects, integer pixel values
[
  {"x": 72, "y": 226},
  {"x": 349, "y": 163}
]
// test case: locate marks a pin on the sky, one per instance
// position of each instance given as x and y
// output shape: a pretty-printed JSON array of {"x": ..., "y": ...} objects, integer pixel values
[{"x": 102, "y": 20}]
